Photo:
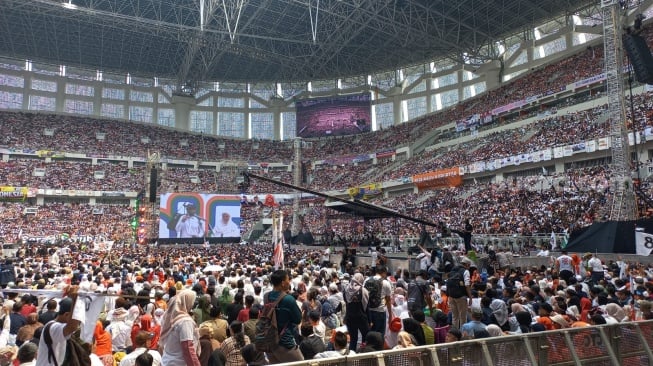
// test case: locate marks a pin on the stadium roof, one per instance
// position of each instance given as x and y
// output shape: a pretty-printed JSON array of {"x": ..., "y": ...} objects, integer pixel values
[{"x": 263, "y": 40}]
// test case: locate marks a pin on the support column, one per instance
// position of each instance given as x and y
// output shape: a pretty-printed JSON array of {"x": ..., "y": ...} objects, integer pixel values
[{"x": 182, "y": 105}]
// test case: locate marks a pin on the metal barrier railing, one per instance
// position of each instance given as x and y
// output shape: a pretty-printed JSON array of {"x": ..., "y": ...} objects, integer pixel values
[{"x": 623, "y": 344}]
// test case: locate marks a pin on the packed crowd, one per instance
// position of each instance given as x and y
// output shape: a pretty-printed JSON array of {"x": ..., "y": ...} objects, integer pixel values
[
  {"x": 27, "y": 131},
  {"x": 206, "y": 306},
  {"x": 116, "y": 176},
  {"x": 523, "y": 205},
  {"x": 52, "y": 220}
]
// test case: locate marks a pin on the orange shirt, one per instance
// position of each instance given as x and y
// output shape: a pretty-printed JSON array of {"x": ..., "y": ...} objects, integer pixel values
[{"x": 546, "y": 322}]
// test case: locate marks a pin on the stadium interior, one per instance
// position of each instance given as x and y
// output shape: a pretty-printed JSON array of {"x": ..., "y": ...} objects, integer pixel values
[{"x": 516, "y": 114}]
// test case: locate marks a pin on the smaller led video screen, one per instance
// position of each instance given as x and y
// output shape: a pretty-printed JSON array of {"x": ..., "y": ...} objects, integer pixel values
[{"x": 334, "y": 116}]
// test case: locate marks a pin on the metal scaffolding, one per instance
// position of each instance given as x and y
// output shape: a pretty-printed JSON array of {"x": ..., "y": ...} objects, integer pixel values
[{"x": 622, "y": 206}]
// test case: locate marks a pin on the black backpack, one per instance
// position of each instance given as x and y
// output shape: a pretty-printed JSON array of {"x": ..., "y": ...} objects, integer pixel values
[
  {"x": 354, "y": 306},
  {"x": 76, "y": 354},
  {"x": 456, "y": 283},
  {"x": 373, "y": 287}
]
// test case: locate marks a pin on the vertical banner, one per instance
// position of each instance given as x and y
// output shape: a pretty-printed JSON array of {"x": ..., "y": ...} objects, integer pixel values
[{"x": 277, "y": 237}]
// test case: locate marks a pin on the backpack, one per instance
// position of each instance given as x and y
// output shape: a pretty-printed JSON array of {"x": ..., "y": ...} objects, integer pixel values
[
  {"x": 267, "y": 334},
  {"x": 456, "y": 283},
  {"x": 76, "y": 354},
  {"x": 373, "y": 287},
  {"x": 416, "y": 294},
  {"x": 328, "y": 316},
  {"x": 354, "y": 307}
]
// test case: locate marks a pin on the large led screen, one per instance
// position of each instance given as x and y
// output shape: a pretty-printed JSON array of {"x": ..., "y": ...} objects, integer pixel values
[
  {"x": 334, "y": 116},
  {"x": 198, "y": 217}
]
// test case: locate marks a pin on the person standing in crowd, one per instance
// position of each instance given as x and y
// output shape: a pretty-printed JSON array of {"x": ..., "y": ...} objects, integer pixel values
[
  {"x": 595, "y": 266},
  {"x": 17, "y": 321},
  {"x": 142, "y": 343},
  {"x": 179, "y": 335},
  {"x": 356, "y": 299},
  {"x": 26, "y": 332},
  {"x": 378, "y": 315},
  {"x": 232, "y": 346},
  {"x": 466, "y": 234},
  {"x": 419, "y": 293},
  {"x": 60, "y": 331},
  {"x": 565, "y": 267},
  {"x": 51, "y": 312},
  {"x": 102, "y": 344},
  {"x": 288, "y": 318},
  {"x": 120, "y": 330},
  {"x": 460, "y": 298}
]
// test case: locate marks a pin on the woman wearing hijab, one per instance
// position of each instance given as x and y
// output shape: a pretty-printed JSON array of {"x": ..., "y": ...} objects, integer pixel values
[
  {"x": 179, "y": 334},
  {"x": 225, "y": 300},
  {"x": 147, "y": 324},
  {"x": 494, "y": 330},
  {"x": 356, "y": 298},
  {"x": 405, "y": 340},
  {"x": 499, "y": 314},
  {"x": 102, "y": 343},
  {"x": 203, "y": 310},
  {"x": 616, "y": 312}
]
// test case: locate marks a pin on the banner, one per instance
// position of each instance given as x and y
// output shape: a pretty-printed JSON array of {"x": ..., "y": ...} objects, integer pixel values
[
  {"x": 13, "y": 193},
  {"x": 604, "y": 143},
  {"x": 385, "y": 154},
  {"x": 365, "y": 192},
  {"x": 277, "y": 239},
  {"x": 643, "y": 243},
  {"x": 439, "y": 178}
]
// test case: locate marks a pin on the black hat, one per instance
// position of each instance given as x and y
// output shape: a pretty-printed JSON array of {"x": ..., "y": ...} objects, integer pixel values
[{"x": 65, "y": 305}]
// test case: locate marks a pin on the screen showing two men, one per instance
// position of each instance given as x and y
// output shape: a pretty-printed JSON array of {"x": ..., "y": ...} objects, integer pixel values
[{"x": 196, "y": 215}]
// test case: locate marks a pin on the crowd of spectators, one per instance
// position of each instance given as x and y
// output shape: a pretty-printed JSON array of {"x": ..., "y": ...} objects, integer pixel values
[
  {"x": 494, "y": 210},
  {"x": 143, "y": 288},
  {"x": 54, "y": 220}
]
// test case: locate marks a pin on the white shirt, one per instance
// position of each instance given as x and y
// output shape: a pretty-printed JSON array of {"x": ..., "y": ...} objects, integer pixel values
[
  {"x": 120, "y": 335},
  {"x": 226, "y": 230},
  {"x": 595, "y": 264},
  {"x": 386, "y": 290},
  {"x": 565, "y": 263},
  {"x": 172, "y": 349},
  {"x": 424, "y": 261},
  {"x": 58, "y": 345},
  {"x": 191, "y": 227},
  {"x": 130, "y": 359}
]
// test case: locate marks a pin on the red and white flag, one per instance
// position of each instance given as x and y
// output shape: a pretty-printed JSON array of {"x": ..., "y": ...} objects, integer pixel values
[{"x": 277, "y": 238}]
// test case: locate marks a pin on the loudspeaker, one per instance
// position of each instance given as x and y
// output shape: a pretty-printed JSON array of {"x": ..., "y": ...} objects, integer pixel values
[
  {"x": 153, "y": 185},
  {"x": 640, "y": 57}
]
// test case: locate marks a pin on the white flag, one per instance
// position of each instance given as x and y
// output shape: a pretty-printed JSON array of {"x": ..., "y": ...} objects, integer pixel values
[
  {"x": 552, "y": 241},
  {"x": 643, "y": 243},
  {"x": 277, "y": 237}
]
